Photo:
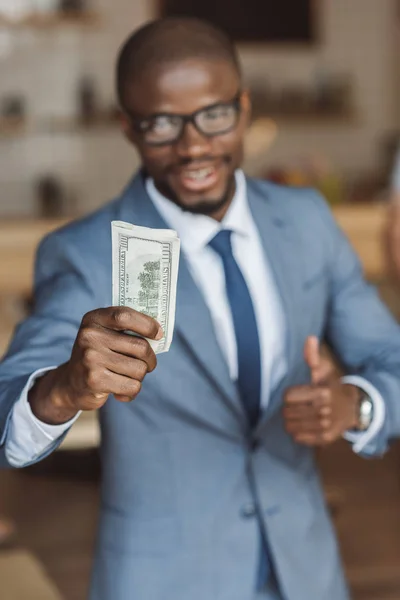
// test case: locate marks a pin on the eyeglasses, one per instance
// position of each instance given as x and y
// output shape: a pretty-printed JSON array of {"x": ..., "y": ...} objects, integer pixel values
[{"x": 163, "y": 129}]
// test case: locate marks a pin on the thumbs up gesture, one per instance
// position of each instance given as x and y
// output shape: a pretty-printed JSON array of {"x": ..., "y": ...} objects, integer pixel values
[{"x": 319, "y": 413}]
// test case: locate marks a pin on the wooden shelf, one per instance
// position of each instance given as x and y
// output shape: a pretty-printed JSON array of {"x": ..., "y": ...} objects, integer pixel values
[
  {"x": 306, "y": 119},
  {"x": 12, "y": 127},
  {"x": 18, "y": 128},
  {"x": 75, "y": 125},
  {"x": 51, "y": 21}
]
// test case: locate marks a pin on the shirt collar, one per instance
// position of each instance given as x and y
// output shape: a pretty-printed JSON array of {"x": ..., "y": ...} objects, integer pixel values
[{"x": 196, "y": 231}]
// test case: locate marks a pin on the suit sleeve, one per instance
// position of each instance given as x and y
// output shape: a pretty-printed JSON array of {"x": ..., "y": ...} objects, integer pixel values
[
  {"x": 62, "y": 296},
  {"x": 360, "y": 329}
]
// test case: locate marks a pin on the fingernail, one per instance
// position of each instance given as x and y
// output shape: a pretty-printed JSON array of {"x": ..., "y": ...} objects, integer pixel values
[{"x": 160, "y": 334}]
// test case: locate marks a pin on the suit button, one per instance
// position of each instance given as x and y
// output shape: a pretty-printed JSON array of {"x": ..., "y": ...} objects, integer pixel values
[
  {"x": 248, "y": 511},
  {"x": 254, "y": 445}
]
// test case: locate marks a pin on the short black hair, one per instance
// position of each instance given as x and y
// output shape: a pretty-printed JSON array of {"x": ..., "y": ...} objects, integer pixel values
[{"x": 170, "y": 40}]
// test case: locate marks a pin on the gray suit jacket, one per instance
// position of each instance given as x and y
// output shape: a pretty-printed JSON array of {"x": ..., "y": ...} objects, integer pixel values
[{"x": 186, "y": 486}]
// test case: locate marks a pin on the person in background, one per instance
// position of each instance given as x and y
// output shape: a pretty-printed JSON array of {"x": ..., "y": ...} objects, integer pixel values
[
  {"x": 392, "y": 230},
  {"x": 209, "y": 484}
]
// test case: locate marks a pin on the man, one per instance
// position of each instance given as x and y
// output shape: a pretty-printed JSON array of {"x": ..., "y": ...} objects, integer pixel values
[{"x": 209, "y": 487}]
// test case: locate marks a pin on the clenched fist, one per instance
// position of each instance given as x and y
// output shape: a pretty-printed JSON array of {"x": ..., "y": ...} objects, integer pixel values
[
  {"x": 104, "y": 361},
  {"x": 319, "y": 413}
]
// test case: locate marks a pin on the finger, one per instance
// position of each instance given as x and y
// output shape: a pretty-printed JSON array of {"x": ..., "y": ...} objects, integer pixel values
[
  {"x": 326, "y": 437},
  {"x": 123, "y": 398},
  {"x": 307, "y": 439},
  {"x": 309, "y": 413},
  {"x": 100, "y": 395},
  {"x": 123, "y": 318},
  {"x": 325, "y": 370},
  {"x": 297, "y": 426},
  {"x": 307, "y": 393},
  {"x": 133, "y": 368},
  {"x": 316, "y": 439},
  {"x": 325, "y": 410},
  {"x": 312, "y": 356},
  {"x": 120, "y": 385},
  {"x": 316, "y": 425},
  {"x": 133, "y": 346},
  {"x": 301, "y": 411},
  {"x": 98, "y": 341}
]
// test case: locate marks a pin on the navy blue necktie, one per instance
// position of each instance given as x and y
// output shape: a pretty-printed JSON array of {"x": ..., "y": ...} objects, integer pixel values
[
  {"x": 244, "y": 321},
  {"x": 248, "y": 352}
]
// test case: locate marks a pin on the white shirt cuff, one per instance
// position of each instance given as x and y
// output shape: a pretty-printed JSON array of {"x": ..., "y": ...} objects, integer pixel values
[
  {"x": 362, "y": 438},
  {"x": 28, "y": 437}
]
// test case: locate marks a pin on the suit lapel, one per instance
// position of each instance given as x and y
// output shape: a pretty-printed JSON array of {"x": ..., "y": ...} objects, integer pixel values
[
  {"x": 193, "y": 322},
  {"x": 286, "y": 262}
]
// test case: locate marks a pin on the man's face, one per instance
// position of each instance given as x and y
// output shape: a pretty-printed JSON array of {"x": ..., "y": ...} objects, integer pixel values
[{"x": 195, "y": 171}]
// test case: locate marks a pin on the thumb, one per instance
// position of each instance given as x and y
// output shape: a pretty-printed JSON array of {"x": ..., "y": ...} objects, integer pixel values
[{"x": 312, "y": 356}]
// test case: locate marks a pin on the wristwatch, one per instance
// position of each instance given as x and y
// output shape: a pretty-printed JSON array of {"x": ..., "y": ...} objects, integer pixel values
[{"x": 365, "y": 412}]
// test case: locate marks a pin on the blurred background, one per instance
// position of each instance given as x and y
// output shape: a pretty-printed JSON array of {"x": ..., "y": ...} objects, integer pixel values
[{"x": 325, "y": 81}]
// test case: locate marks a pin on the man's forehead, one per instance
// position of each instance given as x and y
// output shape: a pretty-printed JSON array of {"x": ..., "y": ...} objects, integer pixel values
[{"x": 184, "y": 86}]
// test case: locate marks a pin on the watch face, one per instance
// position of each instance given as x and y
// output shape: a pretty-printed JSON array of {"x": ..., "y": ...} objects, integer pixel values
[{"x": 365, "y": 413}]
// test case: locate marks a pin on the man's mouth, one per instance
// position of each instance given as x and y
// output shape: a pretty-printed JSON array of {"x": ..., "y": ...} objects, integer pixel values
[
  {"x": 198, "y": 174},
  {"x": 198, "y": 179}
]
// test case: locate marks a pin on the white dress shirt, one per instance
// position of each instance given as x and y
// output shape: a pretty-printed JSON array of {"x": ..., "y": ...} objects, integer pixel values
[{"x": 28, "y": 437}]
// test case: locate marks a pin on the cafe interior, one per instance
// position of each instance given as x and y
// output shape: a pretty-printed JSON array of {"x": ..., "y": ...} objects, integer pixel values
[{"x": 324, "y": 77}]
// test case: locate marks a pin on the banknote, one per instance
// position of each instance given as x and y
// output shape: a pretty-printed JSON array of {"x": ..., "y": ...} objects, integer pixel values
[{"x": 145, "y": 273}]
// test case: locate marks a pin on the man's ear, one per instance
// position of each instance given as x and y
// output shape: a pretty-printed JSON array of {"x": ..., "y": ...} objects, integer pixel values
[
  {"x": 245, "y": 103},
  {"x": 126, "y": 127}
]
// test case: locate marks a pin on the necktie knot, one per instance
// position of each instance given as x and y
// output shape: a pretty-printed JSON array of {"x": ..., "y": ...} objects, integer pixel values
[{"x": 221, "y": 243}]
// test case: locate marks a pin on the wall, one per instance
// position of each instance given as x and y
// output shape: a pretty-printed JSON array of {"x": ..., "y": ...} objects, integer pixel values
[{"x": 356, "y": 36}]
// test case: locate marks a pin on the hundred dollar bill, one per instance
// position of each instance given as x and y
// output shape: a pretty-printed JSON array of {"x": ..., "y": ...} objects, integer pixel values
[{"x": 145, "y": 273}]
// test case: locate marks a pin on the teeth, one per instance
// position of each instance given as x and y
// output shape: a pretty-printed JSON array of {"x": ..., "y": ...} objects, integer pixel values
[{"x": 199, "y": 174}]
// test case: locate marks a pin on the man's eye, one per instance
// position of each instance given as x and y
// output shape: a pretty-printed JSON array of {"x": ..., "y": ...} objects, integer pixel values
[
  {"x": 162, "y": 123},
  {"x": 217, "y": 112}
]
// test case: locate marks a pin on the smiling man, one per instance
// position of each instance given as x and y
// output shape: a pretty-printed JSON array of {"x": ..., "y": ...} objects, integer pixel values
[
  {"x": 209, "y": 490},
  {"x": 191, "y": 140}
]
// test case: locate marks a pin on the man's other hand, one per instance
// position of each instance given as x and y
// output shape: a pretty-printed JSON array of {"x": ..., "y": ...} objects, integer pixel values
[{"x": 320, "y": 413}]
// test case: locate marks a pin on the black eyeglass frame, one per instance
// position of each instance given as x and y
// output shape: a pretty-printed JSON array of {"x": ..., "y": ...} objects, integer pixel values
[{"x": 137, "y": 123}]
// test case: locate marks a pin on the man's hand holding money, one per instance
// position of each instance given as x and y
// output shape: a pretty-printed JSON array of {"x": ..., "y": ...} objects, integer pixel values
[{"x": 104, "y": 361}]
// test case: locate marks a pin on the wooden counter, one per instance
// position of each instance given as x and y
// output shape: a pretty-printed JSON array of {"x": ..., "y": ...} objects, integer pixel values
[
  {"x": 18, "y": 242},
  {"x": 364, "y": 225}
]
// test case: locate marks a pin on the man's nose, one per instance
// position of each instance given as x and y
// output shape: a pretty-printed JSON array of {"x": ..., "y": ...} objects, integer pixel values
[{"x": 192, "y": 143}]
